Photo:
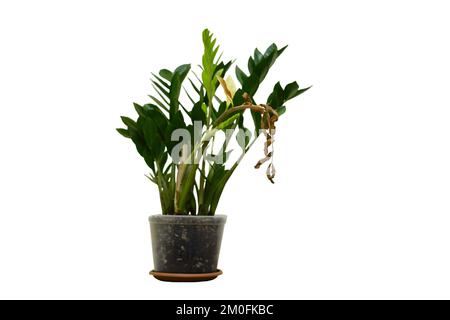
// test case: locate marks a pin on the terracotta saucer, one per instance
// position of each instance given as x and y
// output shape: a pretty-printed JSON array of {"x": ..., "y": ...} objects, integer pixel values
[{"x": 185, "y": 277}]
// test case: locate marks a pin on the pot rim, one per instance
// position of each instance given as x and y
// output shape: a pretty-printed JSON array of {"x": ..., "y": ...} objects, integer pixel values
[{"x": 218, "y": 219}]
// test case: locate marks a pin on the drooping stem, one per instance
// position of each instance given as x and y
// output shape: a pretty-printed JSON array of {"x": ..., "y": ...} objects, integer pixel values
[{"x": 224, "y": 116}]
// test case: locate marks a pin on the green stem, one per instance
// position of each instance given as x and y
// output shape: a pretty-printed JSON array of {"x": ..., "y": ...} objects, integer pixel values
[
  {"x": 162, "y": 192},
  {"x": 186, "y": 177},
  {"x": 201, "y": 190}
]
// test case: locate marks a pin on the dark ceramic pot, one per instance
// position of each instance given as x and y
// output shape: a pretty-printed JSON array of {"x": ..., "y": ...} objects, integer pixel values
[{"x": 186, "y": 244}]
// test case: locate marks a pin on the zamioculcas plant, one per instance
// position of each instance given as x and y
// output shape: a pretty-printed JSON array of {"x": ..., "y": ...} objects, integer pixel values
[{"x": 184, "y": 135}]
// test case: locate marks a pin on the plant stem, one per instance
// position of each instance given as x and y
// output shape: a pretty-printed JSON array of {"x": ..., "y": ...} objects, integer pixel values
[
  {"x": 201, "y": 190},
  {"x": 224, "y": 116},
  {"x": 185, "y": 183},
  {"x": 162, "y": 189}
]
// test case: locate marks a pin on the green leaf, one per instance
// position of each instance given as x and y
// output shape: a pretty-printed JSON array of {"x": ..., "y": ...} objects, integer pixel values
[
  {"x": 136, "y": 135},
  {"x": 277, "y": 97},
  {"x": 128, "y": 122},
  {"x": 258, "y": 56},
  {"x": 161, "y": 81},
  {"x": 228, "y": 122},
  {"x": 150, "y": 109},
  {"x": 299, "y": 92},
  {"x": 161, "y": 91},
  {"x": 290, "y": 90},
  {"x": 124, "y": 132},
  {"x": 159, "y": 119},
  {"x": 215, "y": 174},
  {"x": 222, "y": 108},
  {"x": 177, "y": 122},
  {"x": 280, "y": 96},
  {"x": 281, "y": 110},
  {"x": 178, "y": 77},
  {"x": 169, "y": 91},
  {"x": 258, "y": 66},
  {"x": 158, "y": 102},
  {"x": 243, "y": 137},
  {"x": 194, "y": 86},
  {"x": 153, "y": 138},
  {"x": 209, "y": 64},
  {"x": 138, "y": 109},
  {"x": 143, "y": 150},
  {"x": 189, "y": 96},
  {"x": 197, "y": 113},
  {"x": 220, "y": 182},
  {"x": 204, "y": 108},
  {"x": 166, "y": 74},
  {"x": 221, "y": 70},
  {"x": 240, "y": 75},
  {"x": 238, "y": 98}
]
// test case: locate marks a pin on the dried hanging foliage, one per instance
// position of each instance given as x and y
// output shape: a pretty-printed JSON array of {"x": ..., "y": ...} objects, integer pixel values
[{"x": 268, "y": 119}]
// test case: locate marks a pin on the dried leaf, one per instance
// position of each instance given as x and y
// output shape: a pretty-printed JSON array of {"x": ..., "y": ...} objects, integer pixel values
[
  {"x": 265, "y": 159},
  {"x": 270, "y": 172},
  {"x": 228, "y": 93},
  {"x": 231, "y": 85},
  {"x": 268, "y": 120}
]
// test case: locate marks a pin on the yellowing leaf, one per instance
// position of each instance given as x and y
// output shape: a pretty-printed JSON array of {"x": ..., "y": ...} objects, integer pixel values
[
  {"x": 225, "y": 89},
  {"x": 231, "y": 85}
]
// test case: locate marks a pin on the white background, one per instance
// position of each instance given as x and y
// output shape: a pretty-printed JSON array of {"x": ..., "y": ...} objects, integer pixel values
[{"x": 360, "y": 208}]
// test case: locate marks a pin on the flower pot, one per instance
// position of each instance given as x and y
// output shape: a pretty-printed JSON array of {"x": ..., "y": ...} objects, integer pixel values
[{"x": 186, "y": 248}]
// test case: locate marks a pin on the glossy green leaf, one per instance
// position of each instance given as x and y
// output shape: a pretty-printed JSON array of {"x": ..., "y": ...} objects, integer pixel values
[
  {"x": 209, "y": 64},
  {"x": 177, "y": 122},
  {"x": 166, "y": 74},
  {"x": 152, "y": 137},
  {"x": 144, "y": 151},
  {"x": 258, "y": 66},
  {"x": 128, "y": 122},
  {"x": 139, "y": 109},
  {"x": 222, "y": 108},
  {"x": 124, "y": 132},
  {"x": 163, "y": 92},
  {"x": 281, "y": 110},
  {"x": 280, "y": 96},
  {"x": 178, "y": 77},
  {"x": 240, "y": 75},
  {"x": 164, "y": 83},
  {"x": 198, "y": 113}
]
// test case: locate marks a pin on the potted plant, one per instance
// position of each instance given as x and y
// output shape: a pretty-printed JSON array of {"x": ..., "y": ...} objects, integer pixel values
[{"x": 186, "y": 146}]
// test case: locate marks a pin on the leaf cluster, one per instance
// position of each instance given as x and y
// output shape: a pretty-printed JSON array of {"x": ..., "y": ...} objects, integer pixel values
[{"x": 191, "y": 174}]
